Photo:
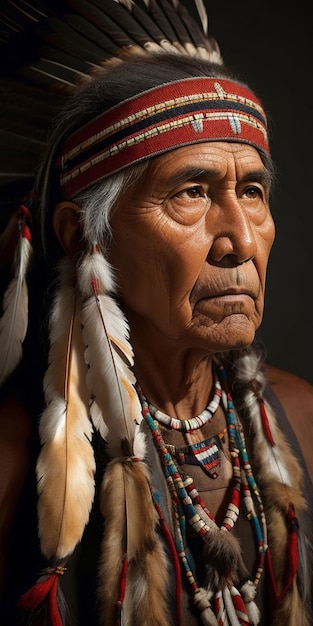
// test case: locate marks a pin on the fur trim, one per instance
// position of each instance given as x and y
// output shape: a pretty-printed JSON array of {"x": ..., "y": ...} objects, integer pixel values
[{"x": 131, "y": 523}]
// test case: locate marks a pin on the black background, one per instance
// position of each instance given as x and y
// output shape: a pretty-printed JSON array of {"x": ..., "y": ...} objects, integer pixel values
[{"x": 270, "y": 45}]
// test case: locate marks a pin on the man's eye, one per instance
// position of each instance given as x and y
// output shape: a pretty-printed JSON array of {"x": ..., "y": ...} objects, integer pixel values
[
  {"x": 253, "y": 192},
  {"x": 196, "y": 191},
  {"x": 189, "y": 204}
]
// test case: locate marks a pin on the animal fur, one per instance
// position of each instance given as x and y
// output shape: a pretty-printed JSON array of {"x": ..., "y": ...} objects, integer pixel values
[{"x": 130, "y": 528}]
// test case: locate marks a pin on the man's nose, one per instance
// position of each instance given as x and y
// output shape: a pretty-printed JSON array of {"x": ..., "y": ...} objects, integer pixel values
[{"x": 234, "y": 238}]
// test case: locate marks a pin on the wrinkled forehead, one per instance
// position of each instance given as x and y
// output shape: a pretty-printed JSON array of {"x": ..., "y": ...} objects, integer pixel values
[{"x": 176, "y": 114}]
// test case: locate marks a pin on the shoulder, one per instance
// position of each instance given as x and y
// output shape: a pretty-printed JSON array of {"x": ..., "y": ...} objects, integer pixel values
[
  {"x": 296, "y": 396},
  {"x": 293, "y": 391}
]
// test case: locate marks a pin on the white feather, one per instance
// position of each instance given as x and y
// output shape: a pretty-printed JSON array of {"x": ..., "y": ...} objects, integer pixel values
[
  {"x": 66, "y": 464},
  {"x": 13, "y": 323},
  {"x": 248, "y": 369},
  {"x": 97, "y": 419},
  {"x": 109, "y": 356}
]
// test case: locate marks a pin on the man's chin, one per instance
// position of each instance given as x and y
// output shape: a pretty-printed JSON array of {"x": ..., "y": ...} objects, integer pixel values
[{"x": 233, "y": 332}]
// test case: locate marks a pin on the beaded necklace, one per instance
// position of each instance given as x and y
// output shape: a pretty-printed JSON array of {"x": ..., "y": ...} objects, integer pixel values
[
  {"x": 218, "y": 601},
  {"x": 195, "y": 422}
]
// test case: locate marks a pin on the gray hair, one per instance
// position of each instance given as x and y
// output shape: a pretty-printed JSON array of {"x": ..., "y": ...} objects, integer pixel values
[{"x": 98, "y": 202}]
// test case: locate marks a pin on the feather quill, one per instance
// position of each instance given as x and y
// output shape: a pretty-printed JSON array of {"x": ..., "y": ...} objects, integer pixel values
[
  {"x": 109, "y": 357},
  {"x": 13, "y": 323},
  {"x": 66, "y": 465}
]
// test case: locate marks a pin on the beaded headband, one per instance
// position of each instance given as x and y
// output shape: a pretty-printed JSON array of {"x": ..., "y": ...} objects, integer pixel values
[{"x": 176, "y": 114}]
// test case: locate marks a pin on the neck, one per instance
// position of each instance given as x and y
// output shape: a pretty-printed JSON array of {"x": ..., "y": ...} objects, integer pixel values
[{"x": 178, "y": 381}]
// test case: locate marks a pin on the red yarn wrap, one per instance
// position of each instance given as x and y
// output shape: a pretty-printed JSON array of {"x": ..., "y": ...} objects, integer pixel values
[
  {"x": 26, "y": 233},
  {"x": 293, "y": 554},
  {"x": 265, "y": 422},
  {"x": 122, "y": 589},
  {"x": 45, "y": 590},
  {"x": 25, "y": 214},
  {"x": 25, "y": 210}
]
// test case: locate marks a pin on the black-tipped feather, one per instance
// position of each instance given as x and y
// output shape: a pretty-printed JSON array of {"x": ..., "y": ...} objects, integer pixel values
[
  {"x": 152, "y": 27},
  {"x": 182, "y": 34}
]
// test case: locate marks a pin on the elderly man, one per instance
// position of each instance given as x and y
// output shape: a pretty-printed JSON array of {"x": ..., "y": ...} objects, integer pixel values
[{"x": 168, "y": 476}]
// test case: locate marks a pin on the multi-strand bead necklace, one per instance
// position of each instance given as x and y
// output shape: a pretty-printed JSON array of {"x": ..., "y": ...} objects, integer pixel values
[{"x": 219, "y": 603}]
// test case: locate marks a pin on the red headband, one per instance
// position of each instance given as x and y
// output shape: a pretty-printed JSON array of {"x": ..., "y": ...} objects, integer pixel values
[{"x": 161, "y": 119}]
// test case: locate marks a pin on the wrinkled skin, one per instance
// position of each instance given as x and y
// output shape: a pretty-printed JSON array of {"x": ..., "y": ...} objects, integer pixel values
[{"x": 191, "y": 244}]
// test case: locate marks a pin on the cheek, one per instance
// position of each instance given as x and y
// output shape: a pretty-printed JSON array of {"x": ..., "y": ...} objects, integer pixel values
[
  {"x": 136, "y": 271},
  {"x": 268, "y": 234},
  {"x": 266, "y": 237},
  {"x": 156, "y": 269},
  {"x": 139, "y": 267}
]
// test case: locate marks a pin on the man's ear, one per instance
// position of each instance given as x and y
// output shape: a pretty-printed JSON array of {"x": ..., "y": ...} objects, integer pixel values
[{"x": 67, "y": 228}]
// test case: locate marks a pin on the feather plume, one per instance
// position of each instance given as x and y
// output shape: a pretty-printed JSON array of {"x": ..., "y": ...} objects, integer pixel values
[
  {"x": 109, "y": 357},
  {"x": 13, "y": 323},
  {"x": 131, "y": 530},
  {"x": 66, "y": 465}
]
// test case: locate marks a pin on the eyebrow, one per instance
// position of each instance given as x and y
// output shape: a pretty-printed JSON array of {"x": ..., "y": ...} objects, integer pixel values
[
  {"x": 187, "y": 173},
  {"x": 262, "y": 176}
]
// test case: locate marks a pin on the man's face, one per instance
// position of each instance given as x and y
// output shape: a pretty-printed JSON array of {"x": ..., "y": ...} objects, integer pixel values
[{"x": 191, "y": 241}]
